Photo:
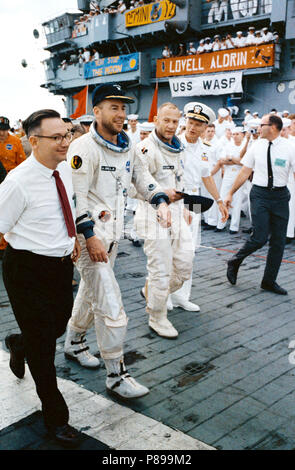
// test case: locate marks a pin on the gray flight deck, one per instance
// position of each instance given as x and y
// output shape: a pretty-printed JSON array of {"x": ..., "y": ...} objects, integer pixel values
[{"x": 227, "y": 380}]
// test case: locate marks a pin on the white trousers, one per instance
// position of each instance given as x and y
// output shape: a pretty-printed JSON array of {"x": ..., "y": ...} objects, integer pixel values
[
  {"x": 236, "y": 203},
  {"x": 169, "y": 264},
  {"x": 99, "y": 302},
  {"x": 184, "y": 292}
]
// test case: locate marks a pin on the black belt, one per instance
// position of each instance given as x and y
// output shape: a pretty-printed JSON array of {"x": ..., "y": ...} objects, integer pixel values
[
  {"x": 41, "y": 258},
  {"x": 274, "y": 188}
]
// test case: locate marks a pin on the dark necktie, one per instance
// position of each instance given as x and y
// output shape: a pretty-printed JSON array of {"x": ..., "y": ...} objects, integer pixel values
[
  {"x": 65, "y": 205},
  {"x": 269, "y": 168}
]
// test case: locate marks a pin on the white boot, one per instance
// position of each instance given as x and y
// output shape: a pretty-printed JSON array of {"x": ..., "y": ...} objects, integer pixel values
[
  {"x": 185, "y": 304},
  {"x": 159, "y": 323},
  {"x": 120, "y": 383},
  {"x": 75, "y": 349}
]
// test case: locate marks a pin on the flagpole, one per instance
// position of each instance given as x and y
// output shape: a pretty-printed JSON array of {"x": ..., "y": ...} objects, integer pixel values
[{"x": 87, "y": 100}]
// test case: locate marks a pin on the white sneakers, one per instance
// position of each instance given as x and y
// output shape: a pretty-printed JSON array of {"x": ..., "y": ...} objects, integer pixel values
[
  {"x": 76, "y": 350},
  {"x": 185, "y": 304},
  {"x": 120, "y": 383}
]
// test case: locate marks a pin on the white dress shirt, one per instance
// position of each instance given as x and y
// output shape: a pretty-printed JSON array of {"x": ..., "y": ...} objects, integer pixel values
[
  {"x": 282, "y": 161},
  {"x": 31, "y": 216},
  {"x": 196, "y": 164}
]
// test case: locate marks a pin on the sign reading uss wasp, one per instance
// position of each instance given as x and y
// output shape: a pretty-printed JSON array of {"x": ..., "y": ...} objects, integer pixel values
[
  {"x": 111, "y": 65},
  {"x": 151, "y": 13}
]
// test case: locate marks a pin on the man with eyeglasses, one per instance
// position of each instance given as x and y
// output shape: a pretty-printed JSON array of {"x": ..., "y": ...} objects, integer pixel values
[
  {"x": 37, "y": 216},
  {"x": 272, "y": 159}
]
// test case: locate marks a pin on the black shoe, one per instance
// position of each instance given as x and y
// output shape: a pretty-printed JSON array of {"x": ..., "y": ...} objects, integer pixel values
[
  {"x": 66, "y": 436},
  {"x": 210, "y": 227},
  {"x": 248, "y": 230},
  {"x": 274, "y": 287},
  {"x": 232, "y": 271},
  {"x": 219, "y": 230},
  {"x": 17, "y": 357},
  {"x": 233, "y": 232}
]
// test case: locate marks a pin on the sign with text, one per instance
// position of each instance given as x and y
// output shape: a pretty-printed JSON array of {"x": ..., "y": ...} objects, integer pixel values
[
  {"x": 151, "y": 13},
  {"x": 221, "y": 61},
  {"x": 111, "y": 65},
  {"x": 215, "y": 84}
]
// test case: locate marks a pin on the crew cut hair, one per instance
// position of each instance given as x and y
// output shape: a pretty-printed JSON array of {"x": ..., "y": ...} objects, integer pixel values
[
  {"x": 33, "y": 122},
  {"x": 276, "y": 121},
  {"x": 168, "y": 105}
]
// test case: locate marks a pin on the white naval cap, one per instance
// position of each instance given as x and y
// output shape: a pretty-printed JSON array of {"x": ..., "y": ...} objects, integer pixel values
[
  {"x": 132, "y": 117},
  {"x": 286, "y": 111},
  {"x": 239, "y": 32},
  {"x": 85, "y": 118},
  {"x": 253, "y": 123},
  {"x": 255, "y": 114},
  {"x": 286, "y": 122},
  {"x": 247, "y": 111},
  {"x": 223, "y": 112},
  {"x": 147, "y": 126},
  {"x": 199, "y": 112},
  {"x": 237, "y": 129}
]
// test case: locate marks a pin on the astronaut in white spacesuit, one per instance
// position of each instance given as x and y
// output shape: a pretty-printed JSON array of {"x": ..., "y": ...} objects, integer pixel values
[
  {"x": 169, "y": 251},
  {"x": 103, "y": 167}
]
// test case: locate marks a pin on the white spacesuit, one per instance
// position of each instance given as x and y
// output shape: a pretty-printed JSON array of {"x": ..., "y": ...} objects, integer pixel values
[
  {"x": 169, "y": 251},
  {"x": 102, "y": 174}
]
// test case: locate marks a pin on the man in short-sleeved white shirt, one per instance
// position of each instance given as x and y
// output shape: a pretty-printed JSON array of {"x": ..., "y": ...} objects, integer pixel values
[
  {"x": 37, "y": 217},
  {"x": 272, "y": 159},
  {"x": 196, "y": 171}
]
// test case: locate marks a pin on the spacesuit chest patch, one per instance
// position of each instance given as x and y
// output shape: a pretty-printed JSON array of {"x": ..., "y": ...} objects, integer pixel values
[
  {"x": 128, "y": 166},
  {"x": 108, "y": 168},
  {"x": 168, "y": 167},
  {"x": 76, "y": 162}
]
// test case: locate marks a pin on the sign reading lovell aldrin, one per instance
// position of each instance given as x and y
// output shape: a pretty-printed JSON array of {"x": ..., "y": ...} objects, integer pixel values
[{"x": 220, "y": 61}]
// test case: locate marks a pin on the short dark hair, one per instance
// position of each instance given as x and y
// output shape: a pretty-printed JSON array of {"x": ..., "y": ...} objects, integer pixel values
[
  {"x": 33, "y": 122},
  {"x": 275, "y": 121},
  {"x": 66, "y": 119}
]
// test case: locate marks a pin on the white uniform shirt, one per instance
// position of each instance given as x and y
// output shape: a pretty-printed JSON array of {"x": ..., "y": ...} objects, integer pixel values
[
  {"x": 250, "y": 40},
  {"x": 282, "y": 161},
  {"x": 196, "y": 164},
  {"x": 268, "y": 37},
  {"x": 30, "y": 211},
  {"x": 232, "y": 150},
  {"x": 134, "y": 136},
  {"x": 240, "y": 42},
  {"x": 220, "y": 127},
  {"x": 201, "y": 49}
]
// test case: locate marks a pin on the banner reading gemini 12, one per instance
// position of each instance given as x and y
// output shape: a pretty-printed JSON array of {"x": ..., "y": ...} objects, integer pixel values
[{"x": 151, "y": 13}]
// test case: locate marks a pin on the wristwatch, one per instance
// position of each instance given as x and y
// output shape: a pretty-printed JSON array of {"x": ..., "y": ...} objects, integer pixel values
[{"x": 219, "y": 200}]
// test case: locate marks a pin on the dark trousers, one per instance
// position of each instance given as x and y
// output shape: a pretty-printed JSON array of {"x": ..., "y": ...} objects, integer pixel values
[
  {"x": 270, "y": 215},
  {"x": 40, "y": 292}
]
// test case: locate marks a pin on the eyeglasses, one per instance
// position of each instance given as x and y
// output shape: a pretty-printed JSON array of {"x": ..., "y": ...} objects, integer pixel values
[{"x": 57, "y": 138}]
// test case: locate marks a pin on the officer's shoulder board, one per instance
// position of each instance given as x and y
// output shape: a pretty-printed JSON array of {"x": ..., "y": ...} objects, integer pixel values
[{"x": 207, "y": 143}]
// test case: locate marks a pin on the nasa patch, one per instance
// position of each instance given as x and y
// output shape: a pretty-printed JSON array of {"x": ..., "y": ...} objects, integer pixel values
[
  {"x": 9, "y": 147},
  {"x": 76, "y": 162}
]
